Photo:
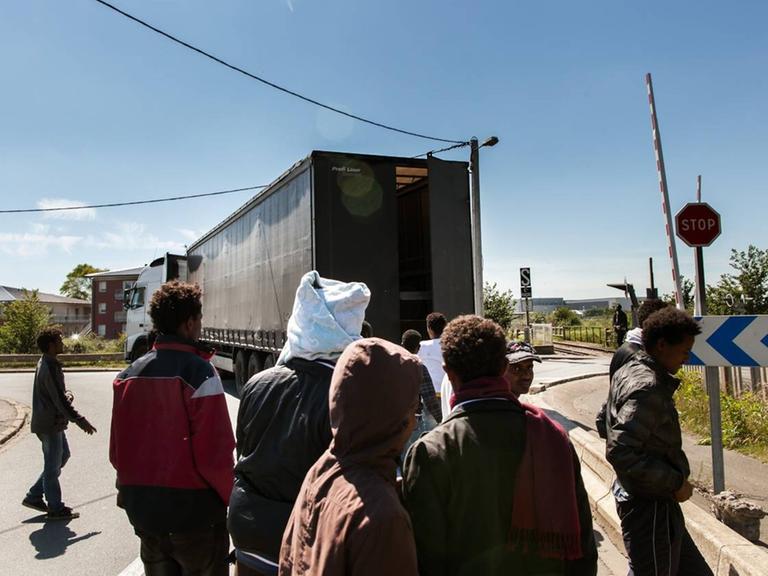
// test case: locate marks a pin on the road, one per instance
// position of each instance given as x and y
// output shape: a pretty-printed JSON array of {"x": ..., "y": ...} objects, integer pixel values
[{"x": 101, "y": 541}]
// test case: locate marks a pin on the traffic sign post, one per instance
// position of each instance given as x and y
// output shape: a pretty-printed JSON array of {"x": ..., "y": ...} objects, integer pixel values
[
  {"x": 526, "y": 292},
  {"x": 698, "y": 225}
]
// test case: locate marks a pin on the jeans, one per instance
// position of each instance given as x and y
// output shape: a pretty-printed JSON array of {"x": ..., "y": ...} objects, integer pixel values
[
  {"x": 55, "y": 456},
  {"x": 657, "y": 541},
  {"x": 196, "y": 553}
]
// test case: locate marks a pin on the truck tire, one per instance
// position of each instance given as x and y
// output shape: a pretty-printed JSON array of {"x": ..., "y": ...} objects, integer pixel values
[
  {"x": 139, "y": 349},
  {"x": 254, "y": 364},
  {"x": 241, "y": 371}
]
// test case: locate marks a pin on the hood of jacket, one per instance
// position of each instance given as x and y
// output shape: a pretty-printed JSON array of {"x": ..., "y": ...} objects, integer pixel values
[{"x": 373, "y": 399}]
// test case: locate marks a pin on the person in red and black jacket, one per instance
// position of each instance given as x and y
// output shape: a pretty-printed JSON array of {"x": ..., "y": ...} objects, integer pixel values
[{"x": 172, "y": 444}]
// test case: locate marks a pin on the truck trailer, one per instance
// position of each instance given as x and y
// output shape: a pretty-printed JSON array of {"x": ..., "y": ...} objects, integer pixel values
[{"x": 401, "y": 225}]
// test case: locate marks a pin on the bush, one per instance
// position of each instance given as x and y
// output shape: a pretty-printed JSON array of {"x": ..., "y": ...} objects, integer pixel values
[
  {"x": 744, "y": 419},
  {"x": 23, "y": 321},
  {"x": 564, "y": 316},
  {"x": 93, "y": 344}
]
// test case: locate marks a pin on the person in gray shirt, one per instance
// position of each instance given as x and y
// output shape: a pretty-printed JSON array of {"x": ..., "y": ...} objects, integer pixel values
[{"x": 52, "y": 410}]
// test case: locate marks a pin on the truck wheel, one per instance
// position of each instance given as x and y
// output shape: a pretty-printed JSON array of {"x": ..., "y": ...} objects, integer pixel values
[
  {"x": 269, "y": 361},
  {"x": 139, "y": 349},
  {"x": 254, "y": 365},
  {"x": 241, "y": 371}
]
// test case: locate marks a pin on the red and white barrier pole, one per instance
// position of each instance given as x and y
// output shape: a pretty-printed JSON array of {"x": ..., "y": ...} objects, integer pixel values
[{"x": 664, "y": 195}]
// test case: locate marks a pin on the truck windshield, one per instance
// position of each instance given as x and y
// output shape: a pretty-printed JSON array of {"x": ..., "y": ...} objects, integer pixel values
[{"x": 137, "y": 298}]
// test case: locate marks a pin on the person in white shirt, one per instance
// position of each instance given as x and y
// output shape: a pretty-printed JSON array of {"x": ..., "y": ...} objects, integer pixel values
[{"x": 429, "y": 350}]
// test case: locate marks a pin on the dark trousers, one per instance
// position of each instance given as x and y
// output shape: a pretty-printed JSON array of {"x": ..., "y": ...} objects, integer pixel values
[
  {"x": 55, "y": 456},
  {"x": 196, "y": 553},
  {"x": 657, "y": 541}
]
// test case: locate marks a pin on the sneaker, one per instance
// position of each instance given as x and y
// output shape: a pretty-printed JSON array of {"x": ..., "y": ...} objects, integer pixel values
[
  {"x": 35, "y": 504},
  {"x": 65, "y": 513}
]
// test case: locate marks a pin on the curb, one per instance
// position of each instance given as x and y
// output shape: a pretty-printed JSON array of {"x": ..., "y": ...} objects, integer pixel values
[
  {"x": 9, "y": 431},
  {"x": 543, "y": 386}
]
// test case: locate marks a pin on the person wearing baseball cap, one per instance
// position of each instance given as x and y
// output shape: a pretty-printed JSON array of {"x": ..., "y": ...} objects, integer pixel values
[{"x": 519, "y": 372}]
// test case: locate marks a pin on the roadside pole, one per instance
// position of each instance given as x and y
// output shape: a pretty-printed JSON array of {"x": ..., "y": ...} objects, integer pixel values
[
  {"x": 526, "y": 292},
  {"x": 477, "y": 249},
  {"x": 711, "y": 375}
]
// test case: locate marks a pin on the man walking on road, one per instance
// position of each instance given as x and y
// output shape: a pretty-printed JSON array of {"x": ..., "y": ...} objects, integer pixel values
[
  {"x": 52, "y": 410},
  {"x": 172, "y": 444},
  {"x": 644, "y": 446},
  {"x": 496, "y": 488}
]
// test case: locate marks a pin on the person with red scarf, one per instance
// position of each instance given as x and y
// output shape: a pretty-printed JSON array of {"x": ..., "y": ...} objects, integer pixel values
[{"x": 496, "y": 488}]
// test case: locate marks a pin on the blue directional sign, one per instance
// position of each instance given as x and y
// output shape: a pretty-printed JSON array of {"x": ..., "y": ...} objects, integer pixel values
[{"x": 731, "y": 341}]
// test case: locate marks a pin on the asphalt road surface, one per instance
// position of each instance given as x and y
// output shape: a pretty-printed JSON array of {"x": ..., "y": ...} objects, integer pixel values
[{"x": 101, "y": 542}]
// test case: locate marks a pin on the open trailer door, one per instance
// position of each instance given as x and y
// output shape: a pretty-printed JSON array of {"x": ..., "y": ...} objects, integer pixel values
[{"x": 450, "y": 238}]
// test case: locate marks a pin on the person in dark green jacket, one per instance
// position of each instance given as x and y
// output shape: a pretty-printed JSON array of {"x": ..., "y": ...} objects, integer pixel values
[{"x": 469, "y": 483}]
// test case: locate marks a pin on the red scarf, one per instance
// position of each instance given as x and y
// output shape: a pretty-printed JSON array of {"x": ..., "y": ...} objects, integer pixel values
[{"x": 545, "y": 516}]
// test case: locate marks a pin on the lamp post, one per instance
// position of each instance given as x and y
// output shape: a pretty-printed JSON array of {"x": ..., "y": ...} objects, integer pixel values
[{"x": 477, "y": 248}]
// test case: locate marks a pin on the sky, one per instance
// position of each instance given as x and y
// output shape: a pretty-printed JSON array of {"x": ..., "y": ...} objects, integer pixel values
[{"x": 96, "y": 109}]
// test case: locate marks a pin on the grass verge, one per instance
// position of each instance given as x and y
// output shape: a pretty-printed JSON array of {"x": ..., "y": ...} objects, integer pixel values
[{"x": 745, "y": 419}]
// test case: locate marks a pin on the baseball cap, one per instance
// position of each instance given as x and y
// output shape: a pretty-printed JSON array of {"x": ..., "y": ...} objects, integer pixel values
[{"x": 519, "y": 351}]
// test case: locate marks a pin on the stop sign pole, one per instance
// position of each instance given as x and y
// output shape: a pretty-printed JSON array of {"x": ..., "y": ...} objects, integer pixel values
[{"x": 698, "y": 225}]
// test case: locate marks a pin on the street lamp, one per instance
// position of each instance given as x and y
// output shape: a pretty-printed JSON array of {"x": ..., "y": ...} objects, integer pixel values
[{"x": 477, "y": 249}]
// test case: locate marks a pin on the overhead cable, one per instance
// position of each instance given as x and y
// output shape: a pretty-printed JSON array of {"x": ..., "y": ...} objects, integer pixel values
[
  {"x": 133, "y": 203},
  {"x": 431, "y": 152},
  {"x": 271, "y": 84}
]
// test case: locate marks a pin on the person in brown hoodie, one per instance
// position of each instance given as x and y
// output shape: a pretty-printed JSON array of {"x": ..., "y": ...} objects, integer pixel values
[{"x": 348, "y": 518}]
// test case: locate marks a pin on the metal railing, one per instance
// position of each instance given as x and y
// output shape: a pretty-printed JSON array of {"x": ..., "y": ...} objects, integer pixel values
[
  {"x": 737, "y": 381},
  {"x": 589, "y": 334}
]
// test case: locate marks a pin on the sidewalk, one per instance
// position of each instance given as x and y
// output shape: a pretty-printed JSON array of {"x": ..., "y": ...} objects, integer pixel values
[{"x": 13, "y": 416}]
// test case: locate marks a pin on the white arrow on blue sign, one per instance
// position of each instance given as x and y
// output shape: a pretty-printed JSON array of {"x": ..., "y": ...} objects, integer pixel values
[{"x": 731, "y": 341}]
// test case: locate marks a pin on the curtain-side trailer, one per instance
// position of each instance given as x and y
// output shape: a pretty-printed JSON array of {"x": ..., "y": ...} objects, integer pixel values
[{"x": 401, "y": 225}]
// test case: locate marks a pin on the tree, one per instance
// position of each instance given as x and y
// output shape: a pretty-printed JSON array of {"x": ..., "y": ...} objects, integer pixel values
[
  {"x": 564, "y": 316},
  {"x": 77, "y": 285},
  {"x": 22, "y": 322},
  {"x": 498, "y": 306},
  {"x": 745, "y": 292},
  {"x": 687, "y": 286}
]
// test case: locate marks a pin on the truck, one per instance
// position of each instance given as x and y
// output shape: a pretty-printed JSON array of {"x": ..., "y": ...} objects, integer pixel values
[
  {"x": 136, "y": 301},
  {"x": 401, "y": 225}
]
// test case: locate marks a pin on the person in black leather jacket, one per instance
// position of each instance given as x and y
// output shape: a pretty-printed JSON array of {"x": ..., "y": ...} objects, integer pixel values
[
  {"x": 626, "y": 351},
  {"x": 644, "y": 446}
]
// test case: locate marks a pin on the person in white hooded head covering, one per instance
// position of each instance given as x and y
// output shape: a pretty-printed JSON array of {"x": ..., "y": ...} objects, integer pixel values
[{"x": 283, "y": 424}]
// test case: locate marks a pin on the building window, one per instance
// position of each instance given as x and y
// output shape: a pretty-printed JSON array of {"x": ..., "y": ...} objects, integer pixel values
[
  {"x": 102, "y": 307},
  {"x": 119, "y": 316},
  {"x": 103, "y": 286},
  {"x": 127, "y": 284},
  {"x": 102, "y": 329}
]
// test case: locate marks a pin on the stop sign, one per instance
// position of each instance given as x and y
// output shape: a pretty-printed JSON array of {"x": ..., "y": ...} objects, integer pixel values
[{"x": 698, "y": 224}]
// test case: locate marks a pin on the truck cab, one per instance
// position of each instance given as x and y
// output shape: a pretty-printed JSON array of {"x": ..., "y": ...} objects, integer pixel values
[{"x": 138, "y": 324}]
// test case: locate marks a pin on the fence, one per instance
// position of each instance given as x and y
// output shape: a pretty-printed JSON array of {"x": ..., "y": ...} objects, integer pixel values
[
  {"x": 736, "y": 381},
  {"x": 590, "y": 334}
]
